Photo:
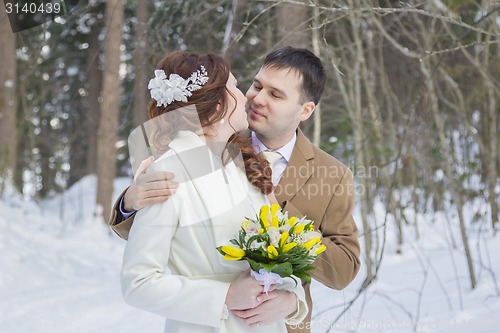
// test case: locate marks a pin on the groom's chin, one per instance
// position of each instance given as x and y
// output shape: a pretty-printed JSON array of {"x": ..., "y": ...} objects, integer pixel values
[{"x": 251, "y": 126}]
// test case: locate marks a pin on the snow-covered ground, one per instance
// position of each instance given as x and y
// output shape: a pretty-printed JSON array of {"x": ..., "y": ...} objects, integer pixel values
[{"x": 60, "y": 273}]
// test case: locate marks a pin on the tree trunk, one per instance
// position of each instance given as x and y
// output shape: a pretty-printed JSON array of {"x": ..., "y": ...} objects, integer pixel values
[
  {"x": 493, "y": 139},
  {"x": 8, "y": 104},
  {"x": 140, "y": 88},
  {"x": 316, "y": 137},
  {"x": 229, "y": 27},
  {"x": 368, "y": 65},
  {"x": 292, "y": 22},
  {"x": 230, "y": 47},
  {"x": 108, "y": 123},
  {"x": 94, "y": 87}
]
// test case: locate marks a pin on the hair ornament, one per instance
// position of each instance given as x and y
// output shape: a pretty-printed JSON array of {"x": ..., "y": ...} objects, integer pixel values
[{"x": 164, "y": 91}]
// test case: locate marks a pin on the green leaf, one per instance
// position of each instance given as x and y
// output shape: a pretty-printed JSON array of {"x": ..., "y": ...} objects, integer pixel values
[
  {"x": 258, "y": 238},
  {"x": 304, "y": 276},
  {"x": 256, "y": 266},
  {"x": 282, "y": 269},
  {"x": 309, "y": 268}
]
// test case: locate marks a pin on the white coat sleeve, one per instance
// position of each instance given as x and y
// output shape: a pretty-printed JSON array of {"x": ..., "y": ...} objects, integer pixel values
[
  {"x": 295, "y": 286},
  {"x": 146, "y": 285}
]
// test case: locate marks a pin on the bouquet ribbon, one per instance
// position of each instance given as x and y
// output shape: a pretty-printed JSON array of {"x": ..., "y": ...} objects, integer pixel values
[{"x": 268, "y": 278}]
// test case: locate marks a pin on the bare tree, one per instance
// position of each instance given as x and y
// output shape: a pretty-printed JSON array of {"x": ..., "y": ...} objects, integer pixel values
[
  {"x": 448, "y": 162},
  {"x": 349, "y": 84},
  {"x": 481, "y": 59},
  {"x": 423, "y": 41},
  {"x": 292, "y": 21},
  {"x": 140, "y": 89},
  {"x": 94, "y": 75},
  {"x": 316, "y": 42},
  {"x": 8, "y": 104},
  {"x": 108, "y": 123},
  {"x": 234, "y": 26}
]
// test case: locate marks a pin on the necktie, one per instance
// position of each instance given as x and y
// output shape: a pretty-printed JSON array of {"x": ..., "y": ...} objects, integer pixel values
[{"x": 272, "y": 157}]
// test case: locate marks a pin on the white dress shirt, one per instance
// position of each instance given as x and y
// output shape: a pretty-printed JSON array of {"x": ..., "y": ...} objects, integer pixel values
[{"x": 286, "y": 152}]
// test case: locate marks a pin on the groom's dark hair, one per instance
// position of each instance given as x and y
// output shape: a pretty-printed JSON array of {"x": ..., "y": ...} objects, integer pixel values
[{"x": 306, "y": 63}]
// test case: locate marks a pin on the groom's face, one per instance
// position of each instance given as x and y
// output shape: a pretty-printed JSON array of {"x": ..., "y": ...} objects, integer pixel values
[{"x": 274, "y": 103}]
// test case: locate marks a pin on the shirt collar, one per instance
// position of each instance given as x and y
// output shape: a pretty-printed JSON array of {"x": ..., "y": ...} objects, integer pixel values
[{"x": 285, "y": 151}]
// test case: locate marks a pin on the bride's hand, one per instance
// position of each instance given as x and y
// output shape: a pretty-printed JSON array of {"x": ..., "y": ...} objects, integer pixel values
[
  {"x": 281, "y": 304},
  {"x": 246, "y": 293}
]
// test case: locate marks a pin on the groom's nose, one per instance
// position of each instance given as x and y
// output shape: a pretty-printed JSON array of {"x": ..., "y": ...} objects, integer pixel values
[{"x": 258, "y": 97}]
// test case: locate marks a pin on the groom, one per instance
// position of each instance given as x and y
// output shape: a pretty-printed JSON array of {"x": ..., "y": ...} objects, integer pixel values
[{"x": 309, "y": 182}]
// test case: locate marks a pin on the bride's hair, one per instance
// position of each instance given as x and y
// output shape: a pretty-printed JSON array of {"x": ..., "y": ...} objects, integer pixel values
[{"x": 211, "y": 102}]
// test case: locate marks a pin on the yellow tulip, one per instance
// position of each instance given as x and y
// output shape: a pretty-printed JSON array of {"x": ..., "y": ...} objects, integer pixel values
[
  {"x": 233, "y": 251},
  {"x": 299, "y": 228},
  {"x": 283, "y": 238},
  {"x": 291, "y": 220},
  {"x": 275, "y": 221},
  {"x": 274, "y": 209},
  {"x": 272, "y": 253},
  {"x": 320, "y": 249},
  {"x": 309, "y": 244},
  {"x": 228, "y": 257},
  {"x": 263, "y": 216},
  {"x": 288, "y": 247},
  {"x": 261, "y": 231}
]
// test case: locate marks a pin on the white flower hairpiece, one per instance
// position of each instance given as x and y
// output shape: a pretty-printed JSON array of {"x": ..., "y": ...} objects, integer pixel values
[{"x": 164, "y": 91}]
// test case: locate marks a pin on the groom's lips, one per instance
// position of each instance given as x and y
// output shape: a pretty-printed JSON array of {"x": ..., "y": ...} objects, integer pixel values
[{"x": 256, "y": 113}]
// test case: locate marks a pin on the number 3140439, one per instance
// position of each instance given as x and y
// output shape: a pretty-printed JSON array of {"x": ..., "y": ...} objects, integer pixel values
[{"x": 33, "y": 8}]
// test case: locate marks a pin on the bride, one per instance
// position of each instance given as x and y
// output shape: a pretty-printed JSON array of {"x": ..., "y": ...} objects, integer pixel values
[{"x": 171, "y": 266}]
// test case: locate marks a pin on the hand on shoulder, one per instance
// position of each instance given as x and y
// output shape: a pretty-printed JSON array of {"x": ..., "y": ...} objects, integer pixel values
[{"x": 149, "y": 188}]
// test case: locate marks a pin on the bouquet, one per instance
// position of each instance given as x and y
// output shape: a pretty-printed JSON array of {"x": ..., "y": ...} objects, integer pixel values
[{"x": 276, "y": 246}]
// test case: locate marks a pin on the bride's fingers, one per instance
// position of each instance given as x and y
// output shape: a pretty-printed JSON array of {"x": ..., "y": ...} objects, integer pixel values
[
  {"x": 271, "y": 287},
  {"x": 247, "y": 317},
  {"x": 266, "y": 297}
]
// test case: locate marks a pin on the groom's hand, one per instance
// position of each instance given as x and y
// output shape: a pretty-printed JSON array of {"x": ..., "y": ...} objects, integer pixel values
[
  {"x": 149, "y": 188},
  {"x": 280, "y": 304}
]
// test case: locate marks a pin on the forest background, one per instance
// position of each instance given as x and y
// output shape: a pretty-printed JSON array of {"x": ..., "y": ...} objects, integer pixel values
[{"x": 412, "y": 102}]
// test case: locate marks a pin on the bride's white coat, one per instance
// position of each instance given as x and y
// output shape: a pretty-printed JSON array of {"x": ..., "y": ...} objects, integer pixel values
[{"x": 171, "y": 266}]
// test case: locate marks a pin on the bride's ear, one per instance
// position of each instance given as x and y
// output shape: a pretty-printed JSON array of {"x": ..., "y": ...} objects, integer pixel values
[{"x": 219, "y": 108}]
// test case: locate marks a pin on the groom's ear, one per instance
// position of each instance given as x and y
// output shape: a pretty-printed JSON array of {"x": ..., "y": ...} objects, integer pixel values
[{"x": 307, "y": 110}]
